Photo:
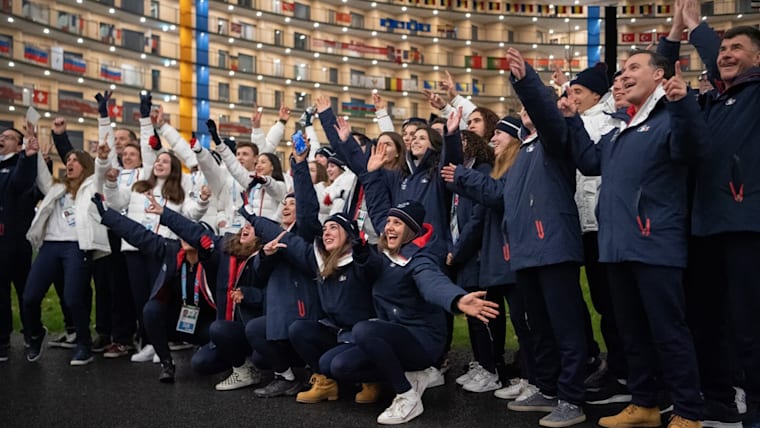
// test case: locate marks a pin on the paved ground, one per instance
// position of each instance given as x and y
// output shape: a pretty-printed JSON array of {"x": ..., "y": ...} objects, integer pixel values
[{"x": 116, "y": 393}]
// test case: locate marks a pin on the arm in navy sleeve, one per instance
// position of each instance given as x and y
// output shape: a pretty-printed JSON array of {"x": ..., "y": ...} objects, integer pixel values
[
  {"x": 24, "y": 174},
  {"x": 435, "y": 287},
  {"x": 377, "y": 196},
  {"x": 452, "y": 152},
  {"x": 669, "y": 49},
  {"x": 707, "y": 42},
  {"x": 190, "y": 232},
  {"x": 689, "y": 135},
  {"x": 307, "y": 206},
  {"x": 348, "y": 151},
  {"x": 147, "y": 242},
  {"x": 586, "y": 155},
  {"x": 62, "y": 144},
  {"x": 479, "y": 187},
  {"x": 470, "y": 237}
]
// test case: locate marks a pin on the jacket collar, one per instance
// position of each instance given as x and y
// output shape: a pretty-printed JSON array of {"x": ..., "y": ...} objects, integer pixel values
[
  {"x": 646, "y": 109},
  {"x": 423, "y": 162},
  {"x": 410, "y": 249},
  {"x": 751, "y": 75},
  {"x": 343, "y": 261}
]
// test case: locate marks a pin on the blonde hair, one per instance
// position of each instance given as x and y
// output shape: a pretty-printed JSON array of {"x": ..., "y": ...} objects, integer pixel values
[{"x": 506, "y": 158}]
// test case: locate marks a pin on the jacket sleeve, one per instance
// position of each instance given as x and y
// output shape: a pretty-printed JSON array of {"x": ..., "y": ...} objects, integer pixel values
[
  {"x": 378, "y": 198},
  {"x": 105, "y": 132},
  {"x": 479, "y": 187},
  {"x": 62, "y": 144},
  {"x": 549, "y": 122},
  {"x": 212, "y": 171},
  {"x": 314, "y": 143},
  {"x": 707, "y": 42},
  {"x": 435, "y": 287},
  {"x": 307, "y": 205},
  {"x": 178, "y": 144},
  {"x": 669, "y": 49},
  {"x": 586, "y": 155},
  {"x": 137, "y": 235},
  {"x": 452, "y": 150},
  {"x": 194, "y": 209},
  {"x": 268, "y": 143},
  {"x": 25, "y": 173},
  {"x": 275, "y": 188},
  {"x": 189, "y": 231},
  {"x": 470, "y": 237},
  {"x": 116, "y": 196},
  {"x": 236, "y": 170},
  {"x": 689, "y": 135},
  {"x": 146, "y": 151},
  {"x": 459, "y": 101},
  {"x": 44, "y": 178}
]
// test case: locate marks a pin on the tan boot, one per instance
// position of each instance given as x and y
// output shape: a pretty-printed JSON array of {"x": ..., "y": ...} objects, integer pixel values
[
  {"x": 322, "y": 389},
  {"x": 369, "y": 393},
  {"x": 633, "y": 416},
  {"x": 681, "y": 422}
]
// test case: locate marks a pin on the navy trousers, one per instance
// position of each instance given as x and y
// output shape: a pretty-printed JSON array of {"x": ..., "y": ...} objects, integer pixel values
[
  {"x": 114, "y": 307},
  {"x": 230, "y": 341},
  {"x": 650, "y": 313},
  {"x": 76, "y": 266},
  {"x": 277, "y": 354},
  {"x": 142, "y": 271},
  {"x": 207, "y": 360},
  {"x": 311, "y": 340},
  {"x": 14, "y": 269},
  {"x": 160, "y": 320},
  {"x": 488, "y": 340},
  {"x": 555, "y": 308}
]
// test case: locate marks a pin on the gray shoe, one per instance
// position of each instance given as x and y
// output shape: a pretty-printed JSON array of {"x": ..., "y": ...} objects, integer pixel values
[
  {"x": 279, "y": 386},
  {"x": 564, "y": 415},
  {"x": 536, "y": 402}
]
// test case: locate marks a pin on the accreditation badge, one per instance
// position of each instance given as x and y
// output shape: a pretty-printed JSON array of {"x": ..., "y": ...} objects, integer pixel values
[{"x": 188, "y": 318}]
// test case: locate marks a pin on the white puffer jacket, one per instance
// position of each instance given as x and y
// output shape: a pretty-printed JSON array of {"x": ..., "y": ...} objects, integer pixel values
[
  {"x": 336, "y": 194},
  {"x": 91, "y": 235}
]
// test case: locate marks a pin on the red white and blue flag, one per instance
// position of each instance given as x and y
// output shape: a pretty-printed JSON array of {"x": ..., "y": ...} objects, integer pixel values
[
  {"x": 74, "y": 64},
  {"x": 109, "y": 73},
  {"x": 35, "y": 54}
]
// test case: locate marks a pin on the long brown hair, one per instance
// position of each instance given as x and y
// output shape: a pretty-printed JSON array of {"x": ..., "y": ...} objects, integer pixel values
[
  {"x": 506, "y": 158},
  {"x": 407, "y": 237},
  {"x": 397, "y": 164},
  {"x": 490, "y": 119},
  {"x": 172, "y": 189},
  {"x": 233, "y": 247},
  {"x": 88, "y": 168},
  {"x": 331, "y": 259},
  {"x": 321, "y": 173},
  {"x": 477, "y": 148}
]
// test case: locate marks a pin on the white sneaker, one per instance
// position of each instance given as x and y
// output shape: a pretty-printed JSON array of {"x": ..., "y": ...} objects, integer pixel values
[
  {"x": 516, "y": 387},
  {"x": 741, "y": 400},
  {"x": 156, "y": 359},
  {"x": 483, "y": 381},
  {"x": 245, "y": 375},
  {"x": 145, "y": 355},
  {"x": 473, "y": 367},
  {"x": 527, "y": 392},
  {"x": 435, "y": 377},
  {"x": 404, "y": 408},
  {"x": 419, "y": 381}
]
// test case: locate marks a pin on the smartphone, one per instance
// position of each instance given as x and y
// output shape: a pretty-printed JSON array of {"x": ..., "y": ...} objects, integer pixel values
[{"x": 299, "y": 142}]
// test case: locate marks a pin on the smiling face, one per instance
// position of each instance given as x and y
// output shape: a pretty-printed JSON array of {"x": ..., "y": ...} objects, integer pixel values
[
  {"x": 247, "y": 234},
  {"x": 421, "y": 143},
  {"x": 737, "y": 55},
  {"x": 583, "y": 97},
  {"x": 333, "y": 236},
  {"x": 408, "y": 134},
  {"x": 10, "y": 142},
  {"x": 394, "y": 231},
  {"x": 163, "y": 166},
  {"x": 500, "y": 141},
  {"x": 264, "y": 166},
  {"x": 120, "y": 138},
  {"x": 246, "y": 157},
  {"x": 74, "y": 169},
  {"x": 391, "y": 152},
  {"x": 288, "y": 211},
  {"x": 333, "y": 171},
  {"x": 640, "y": 78},
  {"x": 130, "y": 157},
  {"x": 618, "y": 93}
]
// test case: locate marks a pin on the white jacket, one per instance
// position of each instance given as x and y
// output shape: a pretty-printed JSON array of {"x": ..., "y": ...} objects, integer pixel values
[
  {"x": 91, "y": 235},
  {"x": 268, "y": 143},
  {"x": 336, "y": 194},
  {"x": 598, "y": 123}
]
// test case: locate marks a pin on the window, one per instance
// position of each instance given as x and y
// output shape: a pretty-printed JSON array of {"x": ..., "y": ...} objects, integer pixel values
[
  {"x": 276, "y": 6},
  {"x": 510, "y": 36},
  {"x": 155, "y": 43},
  {"x": 155, "y": 9},
  {"x": 224, "y": 91},
  {"x": 331, "y": 17},
  {"x": 222, "y": 26},
  {"x": 301, "y": 71},
  {"x": 334, "y": 104},
  {"x": 300, "y": 41},
  {"x": 277, "y": 67},
  {"x": 357, "y": 78},
  {"x": 391, "y": 105},
  {"x": 277, "y": 38},
  {"x": 245, "y": 3},
  {"x": 222, "y": 59},
  {"x": 69, "y": 22},
  {"x": 155, "y": 80},
  {"x": 77, "y": 140},
  {"x": 357, "y": 21},
  {"x": 333, "y": 75},
  {"x": 248, "y": 31},
  {"x": 247, "y": 94},
  {"x": 302, "y": 11},
  {"x": 137, "y": 7},
  {"x": 415, "y": 109},
  {"x": 302, "y": 100},
  {"x": 107, "y": 33},
  {"x": 279, "y": 99},
  {"x": 133, "y": 40},
  {"x": 246, "y": 63},
  {"x": 708, "y": 8},
  {"x": 7, "y": 43},
  {"x": 474, "y": 33}
]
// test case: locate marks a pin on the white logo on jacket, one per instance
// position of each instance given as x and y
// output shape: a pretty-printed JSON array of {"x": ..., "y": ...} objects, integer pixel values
[
  {"x": 643, "y": 128},
  {"x": 731, "y": 101}
]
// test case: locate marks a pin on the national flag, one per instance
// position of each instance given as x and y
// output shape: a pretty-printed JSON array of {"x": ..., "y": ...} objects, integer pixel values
[
  {"x": 561, "y": 9},
  {"x": 663, "y": 9},
  {"x": 429, "y": 85},
  {"x": 462, "y": 87},
  {"x": 627, "y": 38},
  {"x": 394, "y": 84},
  {"x": 474, "y": 61},
  {"x": 35, "y": 54},
  {"x": 645, "y": 9},
  {"x": 463, "y": 4},
  {"x": 74, "y": 64},
  {"x": 5, "y": 45},
  {"x": 645, "y": 37},
  {"x": 108, "y": 73},
  {"x": 41, "y": 97},
  {"x": 10, "y": 92},
  {"x": 115, "y": 110},
  {"x": 343, "y": 18},
  {"x": 576, "y": 9},
  {"x": 477, "y": 88},
  {"x": 497, "y": 63},
  {"x": 627, "y": 10},
  {"x": 288, "y": 7},
  {"x": 494, "y": 5}
]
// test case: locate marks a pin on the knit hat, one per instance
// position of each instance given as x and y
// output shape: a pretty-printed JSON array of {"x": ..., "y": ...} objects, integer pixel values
[
  {"x": 414, "y": 120},
  {"x": 510, "y": 125},
  {"x": 594, "y": 78},
  {"x": 337, "y": 162},
  {"x": 412, "y": 213},
  {"x": 352, "y": 230},
  {"x": 325, "y": 151}
]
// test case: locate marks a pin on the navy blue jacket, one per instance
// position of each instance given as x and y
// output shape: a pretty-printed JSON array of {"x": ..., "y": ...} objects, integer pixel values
[
  {"x": 412, "y": 291},
  {"x": 730, "y": 155},
  {"x": 168, "y": 252},
  {"x": 642, "y": 209},
  {"x": 291, "y": 294},
  {"x": 467, "y": 262},
  {"x": 251, "y": 279},
  {"x": 537, "y": 192},
  {"x": 17, "y": 176}
]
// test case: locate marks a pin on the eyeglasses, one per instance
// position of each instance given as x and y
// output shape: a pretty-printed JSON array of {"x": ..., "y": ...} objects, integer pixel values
[{"x": 11, "y": 137}]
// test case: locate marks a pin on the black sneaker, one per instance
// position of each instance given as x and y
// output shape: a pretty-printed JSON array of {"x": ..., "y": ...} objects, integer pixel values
[
  {"x": 279, "y": 386},
  {"x": 167, "y": 372},
  {"x": 100, "y": 343},
  {"x": 4, "y": 350},
  {"x": 35, "y": 348},
  {"x": 66, "y": 340},
  {"x": 721, "y": 415},
  {"x": 596, "y": 374},
  {"x": 82, "y": 356},
  {"x": 611, "y": 391}
]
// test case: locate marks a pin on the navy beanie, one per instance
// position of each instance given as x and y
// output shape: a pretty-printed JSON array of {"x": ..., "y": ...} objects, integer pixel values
[
  {"x": 510, "y": 125},
  {"x": 594, "y": 78},
  {"x": 325, "y": 151},
  {"x": 352, "y": 230},
  {"x": 337, "y": 162},
  {"x": 412, "y": 213}
]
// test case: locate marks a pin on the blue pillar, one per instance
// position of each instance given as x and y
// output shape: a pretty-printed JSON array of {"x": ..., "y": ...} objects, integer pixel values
[
  {"x": 202, "y": 71},
  {"x": 593, "y": 45}
]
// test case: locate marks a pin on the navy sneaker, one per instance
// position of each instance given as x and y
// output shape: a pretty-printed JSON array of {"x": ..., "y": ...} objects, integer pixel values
[
  {"x": 35, "y": 348},
  {"x": 167, "y": 372},
  {"x": 82, "y": 356}
]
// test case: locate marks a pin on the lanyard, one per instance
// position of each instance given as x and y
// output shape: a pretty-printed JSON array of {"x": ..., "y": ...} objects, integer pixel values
[
  {"x": 196, "y": 285},
  {"x": 133, "y": 174}
]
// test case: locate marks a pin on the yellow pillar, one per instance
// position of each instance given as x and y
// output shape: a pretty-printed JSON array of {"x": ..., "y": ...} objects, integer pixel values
[{"x": 185, "y": 68}]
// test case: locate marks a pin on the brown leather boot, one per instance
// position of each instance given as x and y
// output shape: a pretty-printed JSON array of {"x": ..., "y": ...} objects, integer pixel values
[
  {"x": 322, "y": 389},
  {"x": 681, "y": 422},
  {"x": 633, "y": 416},
  {"x": 369, "y": 393}
]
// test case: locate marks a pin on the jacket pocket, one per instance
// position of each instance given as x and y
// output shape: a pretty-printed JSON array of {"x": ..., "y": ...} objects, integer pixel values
[
  {"x": 736, "y": 184},
  {"x": 538, "y": 223},
  {"x": 642, "y": 217}
]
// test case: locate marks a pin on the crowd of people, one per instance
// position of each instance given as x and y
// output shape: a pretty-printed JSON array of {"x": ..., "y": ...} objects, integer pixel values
[{"x": 353, "y": 262}]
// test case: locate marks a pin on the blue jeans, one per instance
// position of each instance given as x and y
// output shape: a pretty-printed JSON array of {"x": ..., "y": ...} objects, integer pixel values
[{"x": 77, "y": 269}]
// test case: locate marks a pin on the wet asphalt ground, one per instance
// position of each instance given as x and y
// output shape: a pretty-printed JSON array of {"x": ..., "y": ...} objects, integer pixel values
[{"x": 117, "y": 393}]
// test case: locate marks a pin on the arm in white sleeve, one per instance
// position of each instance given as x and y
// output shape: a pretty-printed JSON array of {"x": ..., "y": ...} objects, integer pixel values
[
  {"x": 214, "y": 173},
  {"x": 105, "y": 133},
  {"x": 179, "y": 145},
  {"x": 384, "y": 121},
  {"x": 236, "y": 170},
  {"x": 117, "y": 197},
  {"x": 146, "y": 151},
  {"x": 274, "y": 136},
  {"x": 44, "y": 178},
  {"x": 275, "y": 188},
  {"x": 467, "y": 108},
  {"x": 194, "y": 210},
  {"x": 313, "y": 142}
]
